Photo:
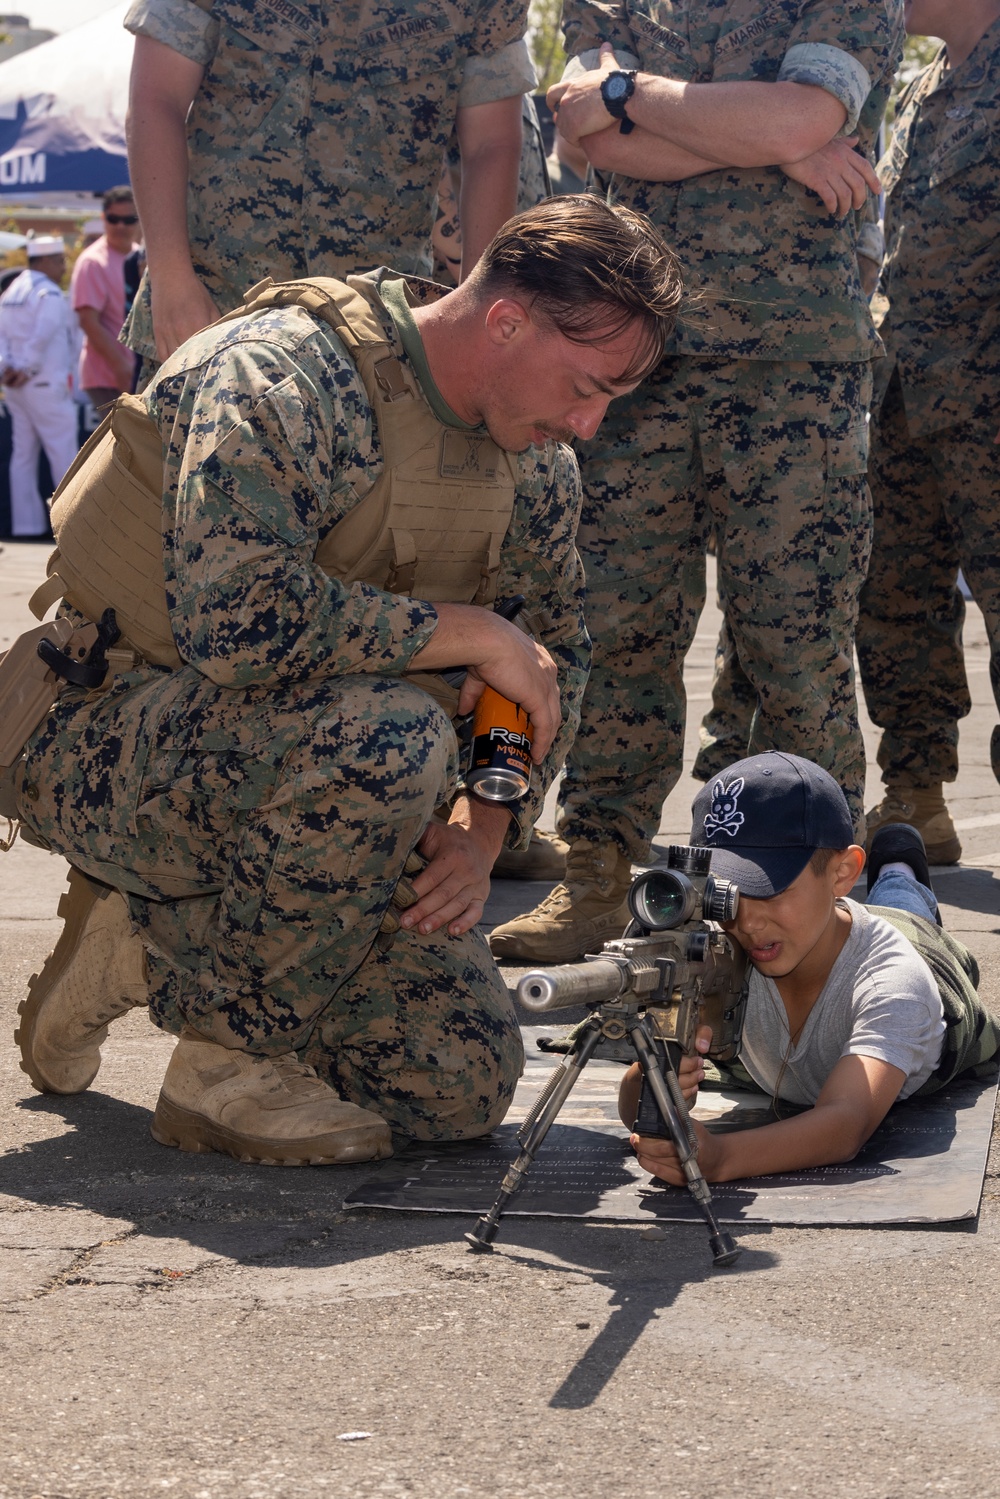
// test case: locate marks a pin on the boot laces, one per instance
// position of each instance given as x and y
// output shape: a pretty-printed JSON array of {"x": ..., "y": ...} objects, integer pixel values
[{"x": 297, "y": 1076}]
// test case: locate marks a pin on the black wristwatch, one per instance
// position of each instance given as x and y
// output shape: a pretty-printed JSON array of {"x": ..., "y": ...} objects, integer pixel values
[{"x": 616, "y": 90}]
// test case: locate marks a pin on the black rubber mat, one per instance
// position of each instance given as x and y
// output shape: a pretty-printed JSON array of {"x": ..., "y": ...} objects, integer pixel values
[{"x": 925, "y": 1164}]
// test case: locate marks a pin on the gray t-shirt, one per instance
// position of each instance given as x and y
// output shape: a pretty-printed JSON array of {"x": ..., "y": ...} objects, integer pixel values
[{"x": 881, "y": 1000}]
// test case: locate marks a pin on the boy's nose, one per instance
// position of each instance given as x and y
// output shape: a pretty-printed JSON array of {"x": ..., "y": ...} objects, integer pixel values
[{"x": 748, "y": 920}]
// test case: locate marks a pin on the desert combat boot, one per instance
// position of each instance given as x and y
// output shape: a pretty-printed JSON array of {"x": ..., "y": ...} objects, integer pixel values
[
  {"x": 96, "y": 972},
  {"x": 923, "y": 807},
  {"x": 578, "y": 917},
  {"x": 272, "y": 1110}
]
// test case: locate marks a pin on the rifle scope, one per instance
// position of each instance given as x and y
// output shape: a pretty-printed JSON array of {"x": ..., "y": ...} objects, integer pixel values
[{"x": 662, "y": 899}]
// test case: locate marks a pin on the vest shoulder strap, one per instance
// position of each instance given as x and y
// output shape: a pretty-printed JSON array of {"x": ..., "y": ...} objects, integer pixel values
[
  {"x": 350, "y": 314},
  {"x": 345, "y": 308}
]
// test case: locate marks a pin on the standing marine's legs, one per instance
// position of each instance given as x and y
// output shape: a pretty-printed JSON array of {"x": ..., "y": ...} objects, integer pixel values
[
  {"x": 642, "y": 542},
  {"x": 910, "y": 624},
  {"x": 784, "y": 450},
  {"x": 778, "y": 451}
]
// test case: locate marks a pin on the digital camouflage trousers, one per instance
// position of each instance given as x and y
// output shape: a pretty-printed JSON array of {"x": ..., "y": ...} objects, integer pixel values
[
  {"x": 937, "y": 508},
  {"x": 773, "y": 457},
  {"x": 259, "y": 836}
]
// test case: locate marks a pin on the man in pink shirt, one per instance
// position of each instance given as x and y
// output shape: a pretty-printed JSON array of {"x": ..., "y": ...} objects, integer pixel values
[{"x": 97, "y": 291}]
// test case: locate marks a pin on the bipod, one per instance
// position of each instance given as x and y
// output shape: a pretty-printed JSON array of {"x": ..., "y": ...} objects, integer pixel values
[{"x": 612, "y": 1020}]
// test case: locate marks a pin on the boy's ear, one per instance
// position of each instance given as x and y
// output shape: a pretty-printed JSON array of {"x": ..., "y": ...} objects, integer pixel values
[{"x": 846, "y": 866}]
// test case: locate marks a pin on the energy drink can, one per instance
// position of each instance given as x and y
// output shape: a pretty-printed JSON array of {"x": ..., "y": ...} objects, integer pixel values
[{"x": 500, "y": 762}]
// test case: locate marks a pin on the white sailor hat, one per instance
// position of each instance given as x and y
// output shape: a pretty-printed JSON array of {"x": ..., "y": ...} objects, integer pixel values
[{"x": 45, "y": 244}]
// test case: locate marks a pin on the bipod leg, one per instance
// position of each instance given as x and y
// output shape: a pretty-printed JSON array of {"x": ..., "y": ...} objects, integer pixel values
[
  {"x": 666, "y": 1091},
  {"x": 533, "y": 1131}
]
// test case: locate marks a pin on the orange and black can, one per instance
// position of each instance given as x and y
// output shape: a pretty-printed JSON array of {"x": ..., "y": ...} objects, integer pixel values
[{"x": 500, "y": 762}]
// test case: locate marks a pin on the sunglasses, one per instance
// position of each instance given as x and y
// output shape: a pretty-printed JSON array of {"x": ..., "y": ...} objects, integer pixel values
[{"x": 121, "y": 218}]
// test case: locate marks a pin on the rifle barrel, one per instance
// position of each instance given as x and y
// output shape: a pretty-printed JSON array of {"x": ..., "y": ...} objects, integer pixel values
[{"x": 572, "y": 984}]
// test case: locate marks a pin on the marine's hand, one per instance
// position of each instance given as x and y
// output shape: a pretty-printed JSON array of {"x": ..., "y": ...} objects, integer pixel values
[
  {"x": 661, "y": 1160},
  {"x": 181, "y": 308},
  {"x": 577, "y": 104},
  {"x": 496, "y": 653},
  {"x": 14, "y": 379},
  {"x": 454, "y": 886},
  {"x": 838, "y": 174}
]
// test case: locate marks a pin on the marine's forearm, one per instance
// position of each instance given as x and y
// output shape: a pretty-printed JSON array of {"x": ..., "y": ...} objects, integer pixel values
[{"x": 162, "y": 87}]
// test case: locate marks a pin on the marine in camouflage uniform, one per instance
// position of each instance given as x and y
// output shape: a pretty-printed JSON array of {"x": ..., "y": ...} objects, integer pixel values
[
  {"x": 935, "y": 470},
  {"x": 259, "y": 804},
  {"x": 757, "y": 426},
  {"x": 316, "y": 136}
]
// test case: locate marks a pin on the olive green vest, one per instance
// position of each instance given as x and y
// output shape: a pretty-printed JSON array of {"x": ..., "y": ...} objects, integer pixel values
[{"x": 431, "y": 525}]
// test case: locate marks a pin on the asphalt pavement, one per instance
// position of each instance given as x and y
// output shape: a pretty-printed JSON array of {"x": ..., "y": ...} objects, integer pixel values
[{"x": 186, "y": 1326}]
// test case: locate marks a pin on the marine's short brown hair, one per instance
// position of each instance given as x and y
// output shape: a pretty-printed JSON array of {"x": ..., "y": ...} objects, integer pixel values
[{"x": 591, "y": 269}]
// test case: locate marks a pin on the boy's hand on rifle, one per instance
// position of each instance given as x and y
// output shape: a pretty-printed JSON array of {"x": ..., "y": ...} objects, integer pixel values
[
  {"x": 691, "y": 1073},
  {"x": 660, "y": 1159}
]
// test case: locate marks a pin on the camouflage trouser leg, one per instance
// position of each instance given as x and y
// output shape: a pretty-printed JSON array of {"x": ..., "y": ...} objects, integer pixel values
[
  {"x": 937, "y": 507},
  {"x": 776, "y": 455},
  {"x": 259, "y": 837},
  {"x": 727, "y": 726},
  {"x": 642, "y": 537}
]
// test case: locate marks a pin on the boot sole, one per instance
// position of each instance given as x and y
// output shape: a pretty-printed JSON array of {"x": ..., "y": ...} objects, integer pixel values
[
  {"x": 185, "y": 1130},
  {"x": 76, "y": 905}
]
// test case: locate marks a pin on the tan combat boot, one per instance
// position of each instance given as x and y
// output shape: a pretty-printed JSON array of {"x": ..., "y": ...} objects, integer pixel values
[
  {"x": 272, "y": 1110},
  {"x": 96, "y": 972},
  {"x": 578, "y": 917},
  {"x": 543, "y": 859},
  {"x": 923, "y": 807}
]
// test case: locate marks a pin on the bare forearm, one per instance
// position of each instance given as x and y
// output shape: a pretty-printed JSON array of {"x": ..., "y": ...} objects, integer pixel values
[
  {"x": 158, "y": 163},
  {"x": 488, "y": 200},
  {"x": 823, "y": 1136},
  {"x": 738, "y": 124},
  {"x": 490, "y": 141},
  {"x": 730, "y": 124},
  {"x": 487, "y": 822},
  {"x": 643, "y": 155}
]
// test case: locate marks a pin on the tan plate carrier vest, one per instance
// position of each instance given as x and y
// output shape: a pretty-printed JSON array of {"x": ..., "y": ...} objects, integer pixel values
[{"x": 431, "y": 526}]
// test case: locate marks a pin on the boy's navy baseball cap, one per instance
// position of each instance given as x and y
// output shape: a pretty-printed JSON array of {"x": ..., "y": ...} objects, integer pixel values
[{"x": 764, "y": 818}]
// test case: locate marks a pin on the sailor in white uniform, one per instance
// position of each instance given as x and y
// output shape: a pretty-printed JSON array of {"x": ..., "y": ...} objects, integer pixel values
[{"x": 37, "y": 357}]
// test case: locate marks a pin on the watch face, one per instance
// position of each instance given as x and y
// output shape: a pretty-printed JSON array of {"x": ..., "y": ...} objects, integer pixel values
[{"x": 616, "y": 87}]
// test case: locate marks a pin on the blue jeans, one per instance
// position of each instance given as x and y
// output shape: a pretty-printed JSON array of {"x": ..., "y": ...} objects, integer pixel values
[{"x": 903, "y": 892}]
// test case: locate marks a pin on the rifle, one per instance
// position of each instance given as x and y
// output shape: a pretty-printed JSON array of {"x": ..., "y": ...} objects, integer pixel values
[{"x": 648, "y": 992}]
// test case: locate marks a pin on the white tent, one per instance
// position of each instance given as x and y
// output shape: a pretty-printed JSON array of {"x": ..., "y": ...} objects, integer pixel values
[{"x": 62, "y": 111}]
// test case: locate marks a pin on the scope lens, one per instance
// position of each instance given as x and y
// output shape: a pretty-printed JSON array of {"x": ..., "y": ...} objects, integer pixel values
[{"x": 662, "y": 899}]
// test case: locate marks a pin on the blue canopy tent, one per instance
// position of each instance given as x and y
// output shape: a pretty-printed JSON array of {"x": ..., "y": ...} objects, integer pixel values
[{"x": 62, "y": 111}]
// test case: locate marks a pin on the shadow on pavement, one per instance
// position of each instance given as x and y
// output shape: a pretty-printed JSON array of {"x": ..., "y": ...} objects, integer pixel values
[
  {"x": 107, "y": 1163},
  {"x": 638, "y": 1295}
]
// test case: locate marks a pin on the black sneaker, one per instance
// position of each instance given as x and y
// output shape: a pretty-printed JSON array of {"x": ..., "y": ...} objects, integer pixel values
[{"x": 898, "y": 843}]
